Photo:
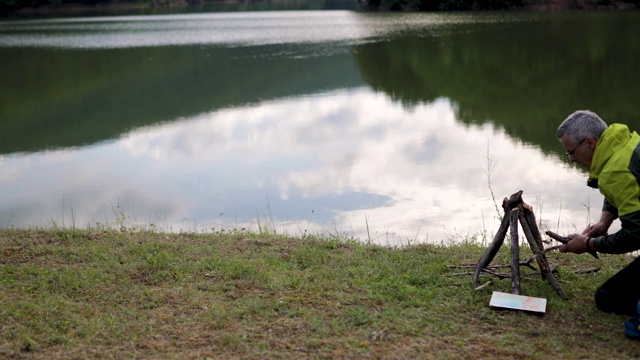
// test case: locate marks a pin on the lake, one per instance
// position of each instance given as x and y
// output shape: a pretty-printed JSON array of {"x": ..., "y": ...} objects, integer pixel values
[{"x": 392, "y": 128}]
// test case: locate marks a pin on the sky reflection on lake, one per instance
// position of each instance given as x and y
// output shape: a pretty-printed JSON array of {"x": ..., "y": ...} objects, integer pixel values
[
  {"x": 351, "y": 162},
  {"x": 384, "y": 127}
]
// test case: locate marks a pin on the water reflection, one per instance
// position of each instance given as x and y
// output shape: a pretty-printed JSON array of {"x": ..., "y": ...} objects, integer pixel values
[
  {"x": 381, "y": 126},
  {"x": 234, "y": 28},
  {"x": 242, "y": 28},
  {"x": 524, "y": 75},
  {"x": 352, "y": 162}
]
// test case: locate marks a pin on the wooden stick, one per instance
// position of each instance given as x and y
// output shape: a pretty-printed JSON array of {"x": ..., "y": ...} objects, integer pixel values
[
  {"x": 498, "y": 275},
  {"x": 490, "y": 272},
  {"x": 557, "y": 237},
  {"x": 531, "y": 220},
  {"x": 513, "y": 201},
  {"x": 535, "y": 247},
  {"x": 498, "y": 239},
  {"x": 552, "y": 280},
  {"x": 588, "y": 271},
  {"x": 515, "y": 252},
  {"x": 498, "y": 266},
  {"x": 460, "y": 274},
  {"x": 543, "y": 252},
  {"x": 518, "y": 211},
  {"x": 565, "y": 240},
  {"x": 492, "y": 250},
  {"x": 540, "y": 251},
  {"x": 484, "y": 285}
]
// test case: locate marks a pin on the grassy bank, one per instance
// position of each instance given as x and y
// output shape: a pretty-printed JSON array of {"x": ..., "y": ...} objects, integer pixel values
[{"x": 109, "y": 294}]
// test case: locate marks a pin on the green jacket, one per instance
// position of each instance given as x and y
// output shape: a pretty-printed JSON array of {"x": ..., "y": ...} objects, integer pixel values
[{"x": 615, "y": 171}]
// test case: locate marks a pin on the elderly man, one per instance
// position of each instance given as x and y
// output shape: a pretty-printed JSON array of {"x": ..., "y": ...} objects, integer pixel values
[{"x": 612, "y": 156}]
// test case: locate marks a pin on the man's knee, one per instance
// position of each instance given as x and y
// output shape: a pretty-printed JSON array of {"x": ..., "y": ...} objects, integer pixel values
[
  {"x": 603, "y": 301},
  {"x": 615, "y": 303}
]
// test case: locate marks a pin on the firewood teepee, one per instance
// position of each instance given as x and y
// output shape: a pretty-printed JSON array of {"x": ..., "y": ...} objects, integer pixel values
[{"x": 516, "y": 210}]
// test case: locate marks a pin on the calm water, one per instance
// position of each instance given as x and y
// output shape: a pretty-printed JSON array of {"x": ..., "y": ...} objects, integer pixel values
[{"x": 388, "y": 127}]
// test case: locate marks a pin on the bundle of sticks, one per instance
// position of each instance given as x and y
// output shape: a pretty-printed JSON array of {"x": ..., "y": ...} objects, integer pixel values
[{"x": 517, "y": 212}]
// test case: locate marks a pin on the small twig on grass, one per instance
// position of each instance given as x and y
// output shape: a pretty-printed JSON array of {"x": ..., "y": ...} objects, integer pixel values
[
  {"x": 498, "y": 275},
  {"x": 461, "y": 274},
  {"x": 484, "y": 285},
  {"x": 467, "y": 266},
  {"x": 493, "y": 267},
  {"x": 542, "y": 253}
]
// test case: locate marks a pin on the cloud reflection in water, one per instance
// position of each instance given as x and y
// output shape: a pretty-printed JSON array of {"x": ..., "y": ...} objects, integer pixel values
[{"x": 333, "y": 162}]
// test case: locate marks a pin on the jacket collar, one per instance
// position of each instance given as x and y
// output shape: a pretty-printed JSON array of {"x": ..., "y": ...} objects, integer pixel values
[{"x": 613, "y": 138}]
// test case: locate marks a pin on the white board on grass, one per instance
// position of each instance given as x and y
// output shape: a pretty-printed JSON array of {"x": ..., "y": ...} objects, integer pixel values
[{"x": 518, "y": 302}]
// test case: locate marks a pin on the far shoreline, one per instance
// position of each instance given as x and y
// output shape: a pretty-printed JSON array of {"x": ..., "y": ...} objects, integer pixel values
[{"x": 179, "y": 6}]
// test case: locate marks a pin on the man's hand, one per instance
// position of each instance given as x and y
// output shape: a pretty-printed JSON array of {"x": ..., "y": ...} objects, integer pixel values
[
  {"x": 596, "y": 230},
  {"x": 577, "y": 244},
  {"x": 601, "y": 227}
]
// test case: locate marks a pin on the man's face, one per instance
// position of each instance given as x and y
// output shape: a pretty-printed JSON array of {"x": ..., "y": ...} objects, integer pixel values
[{"x": 581, "y": 151}]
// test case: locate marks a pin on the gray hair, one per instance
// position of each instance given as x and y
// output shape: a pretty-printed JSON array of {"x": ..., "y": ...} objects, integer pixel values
[{"x": 581, "y": 124}]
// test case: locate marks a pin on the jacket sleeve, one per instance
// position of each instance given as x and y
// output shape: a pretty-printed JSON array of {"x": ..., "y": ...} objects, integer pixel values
[
  {"x": 606, "y": 206},
  {"x": 627, "y": 239}
]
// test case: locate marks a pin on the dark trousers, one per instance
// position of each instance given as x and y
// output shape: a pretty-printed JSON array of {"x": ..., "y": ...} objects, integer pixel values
[{"x": 620, "y": 294}]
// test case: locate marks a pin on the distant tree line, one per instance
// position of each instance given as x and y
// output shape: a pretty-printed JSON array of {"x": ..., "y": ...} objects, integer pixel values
[
  {"x": 442, "y": 5},
  {"x": 7, "y": 6},
  {"x": 462, "y": 5},
  {"x": 12, "y": 5}
]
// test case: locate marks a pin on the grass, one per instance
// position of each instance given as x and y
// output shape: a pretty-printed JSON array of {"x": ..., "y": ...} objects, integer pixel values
[{"x": 71, "y": 293}]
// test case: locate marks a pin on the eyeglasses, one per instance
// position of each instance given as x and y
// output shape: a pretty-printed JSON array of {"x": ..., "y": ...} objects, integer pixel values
[{"x": 572, "y": 151}]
